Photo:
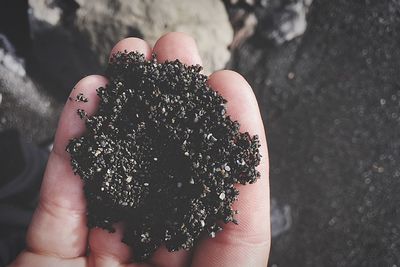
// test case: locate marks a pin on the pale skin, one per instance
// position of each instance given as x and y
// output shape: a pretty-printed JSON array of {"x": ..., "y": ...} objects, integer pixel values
[{"x": 58, "y": 235}]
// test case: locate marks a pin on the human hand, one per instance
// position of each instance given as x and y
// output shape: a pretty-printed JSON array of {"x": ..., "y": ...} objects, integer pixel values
[{"x": 58, "y": 235}]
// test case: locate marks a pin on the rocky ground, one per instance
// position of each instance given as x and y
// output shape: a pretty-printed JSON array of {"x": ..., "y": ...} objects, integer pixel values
[
  {"x": 326, "y": 74},
  {"x": 331, "y": 103}
]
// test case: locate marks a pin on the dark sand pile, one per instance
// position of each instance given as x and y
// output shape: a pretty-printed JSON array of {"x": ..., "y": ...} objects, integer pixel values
[{"x": 161, "y": 155}]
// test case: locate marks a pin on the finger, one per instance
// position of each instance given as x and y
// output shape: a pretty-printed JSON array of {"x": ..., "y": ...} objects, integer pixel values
[
  {"x": 132, "y": 44},
  {"x": 176, "y": 45},
  {"x": 106, "y": 249},
  {"x": 169, "y": 47},
  {"x": 58, "y": 226},
  {"x": 34, "y": 260},
  {"x": 246, "y": 244}
]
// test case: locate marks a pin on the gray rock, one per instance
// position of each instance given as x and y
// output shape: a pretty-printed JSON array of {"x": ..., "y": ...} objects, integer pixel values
[
  {"x": 44, "y": 11},
  {"x": 61, "y": 55},
  {"x": 69, "y": 46},
  {"x": 277, "y": 20},
  {"x": 281, "y": 218},
  {"x": 104, "y": 22},
  {"x": 8, "y": 57},
  {"x": 290, "y": 22},
  {"x": 22, "y": 105}
]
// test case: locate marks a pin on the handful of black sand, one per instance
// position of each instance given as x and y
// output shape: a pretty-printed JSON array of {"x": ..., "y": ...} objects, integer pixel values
[{"x": 161, "y": 155}]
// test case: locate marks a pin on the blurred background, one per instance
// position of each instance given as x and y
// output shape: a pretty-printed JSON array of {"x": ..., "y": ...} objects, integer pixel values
[{"x": 327, "y": 78}]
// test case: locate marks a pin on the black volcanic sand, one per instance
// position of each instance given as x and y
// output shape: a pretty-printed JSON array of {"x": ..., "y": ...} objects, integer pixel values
[
  {"x": 161, "y": 155},
  {"x": 331, "y": 103}
]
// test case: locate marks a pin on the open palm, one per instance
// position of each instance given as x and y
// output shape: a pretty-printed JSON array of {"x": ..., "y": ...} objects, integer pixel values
[{"x": 58, "y": 235}]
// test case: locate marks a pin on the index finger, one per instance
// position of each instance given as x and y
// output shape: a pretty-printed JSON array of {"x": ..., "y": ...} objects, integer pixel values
[{"x": 58, "y": 227}]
